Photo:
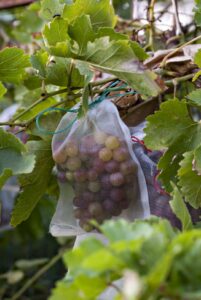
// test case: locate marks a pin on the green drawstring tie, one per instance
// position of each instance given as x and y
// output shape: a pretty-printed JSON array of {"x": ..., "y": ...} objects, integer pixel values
[{"x": 102, "y": 97}]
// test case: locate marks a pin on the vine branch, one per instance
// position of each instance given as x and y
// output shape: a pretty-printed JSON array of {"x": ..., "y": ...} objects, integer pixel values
[{"x": 37, "y": 275}]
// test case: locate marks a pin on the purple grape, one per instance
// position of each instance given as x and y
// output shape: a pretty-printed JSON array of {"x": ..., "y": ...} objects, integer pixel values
[
  {"x": 80, "y": 175},
  {"x": 120, "y": 154},
  {"x": 88, "y": 196},
  {"x": 112, "y": 166},
  {"x": 125, "y": 204},
  {"x": 80, "y": 202},
  {"x": 116, "y": 179},
  {"x": 95, "y": 209},
  {"x": 117, "y": 194},
  {"x": 79, "y": 187},
  {"x": 98, "y": 166},
  {"x": 92, "y": 175},
  {"x": 78, "y": 213},
  {"x": 109, "y": 205},
  {"x": 105, "y": 182},
  {"x": 61, "y": 176},
  {"x": 104, "y": 194},
  {"x": 128, "y": 167},
  {"x": 94, "y": 186}
]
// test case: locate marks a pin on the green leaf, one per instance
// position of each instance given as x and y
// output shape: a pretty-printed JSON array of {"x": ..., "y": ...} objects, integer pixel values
[
  {"x": 197, "y": 160},
  {"x": 196, "y": 76},
  {"x": 34, "y": 185},
  {"x": 198, "y": 13},
  {"x": 39, "y": 61},
  {"x": 56, "y": 37},
  {"x": 50, "y": 8},
  {"x": 167, "y": 124},
  {"x": 179, "y": 208},
  {"x": 60, "y": 292},
  {"x": 138, "y": 51},
  {"x": 195, "y": 97},
  {"x": 13, "y": 157},
  {"x": 79, "y": 35},
  {"x": 118, "y": 58},
  {"x": 197, "y": 58},
  {"x": 190, "y": 181},
  {"x": 61, "y": 70},
  {"x": 101, "y": 12},
  {"x": 13, "y": 62},
  {"x": 3, "y": 90}
]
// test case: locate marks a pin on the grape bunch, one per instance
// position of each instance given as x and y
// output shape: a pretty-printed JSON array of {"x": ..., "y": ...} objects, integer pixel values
[{"x": 101, "y": 171}]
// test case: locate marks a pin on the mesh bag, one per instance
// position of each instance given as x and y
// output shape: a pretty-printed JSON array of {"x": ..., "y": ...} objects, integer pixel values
[{"x": 100, "y": 177}]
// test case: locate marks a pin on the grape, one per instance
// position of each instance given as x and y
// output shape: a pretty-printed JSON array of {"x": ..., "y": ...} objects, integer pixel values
[
  {"x": 71, "y": 149},
  {"x": 112, "y": 142},
  {"x": 109, "y": 206},
  {"x": 78, "y": 201},
  {"x": 105, "y": 182},
  {"x": 83, "y": 154},
  {"x": 95, "y": 209},
  {"x": 125, "y": 204},
  {"x": 117, "y": 211},
  {"x": 79, "y": 187},
  {"x": 105, "y": 154},
  {"x": 116, "y": 179},
  {"x": 112, "y": 166},
  {"x": 61, "y": 177},
  {"x": 128, "y": 167},
  {"x": 78, "y": 213},
  {"x": 81, "y": 202},
  {"x": 117, "y": 194},
  {"x": 80, "y": 175},
  {"x": 120, "y": 154},
  {"x": 98, "y": 165},
  {"x": 100, "y": 137},
  {"x": 88, "y": 197},
  {"x": 73, "y": 163},
  {"x": 104, "y": 193},
  {"x": 59, "y": 156},
  {"x": 129, "y": 179},
  {"x": 70, "y": 176},
  {"x": 92, "y": 175},
  {"x": 94, "y": 186}
]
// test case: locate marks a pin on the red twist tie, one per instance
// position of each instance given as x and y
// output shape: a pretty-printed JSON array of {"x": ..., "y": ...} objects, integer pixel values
[{"x": 141, "y": 142}]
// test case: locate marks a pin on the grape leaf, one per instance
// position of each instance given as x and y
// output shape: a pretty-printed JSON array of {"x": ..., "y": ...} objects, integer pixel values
[
  {"x": 118, "y": 58},
  {"x": 198, "y": 13},
  {"x": 59, "y": 71},
  {"x": 101, "y": 12},
  {"x": 79, "y": 35},
  {"x": 3, "y": 90},
  {"x": 167, "y": 124},
  {"x": 190, "y": 181},
  {"x": 13, "y": 62},
  {"x": 197, "y": 58},
  {"x": 195, "y": 97},
  {"x": 13, "y": 157},
  {"x": 56, "y": 37},
  {"x": 197, "y": 160},
  {"x": 33, "y": 185},
  {"x": 50, "y": 8},
  {"x": 179, "y": 208},
  {"x": 39, "y": 61},
  {"x": 179, "y": 134}
]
